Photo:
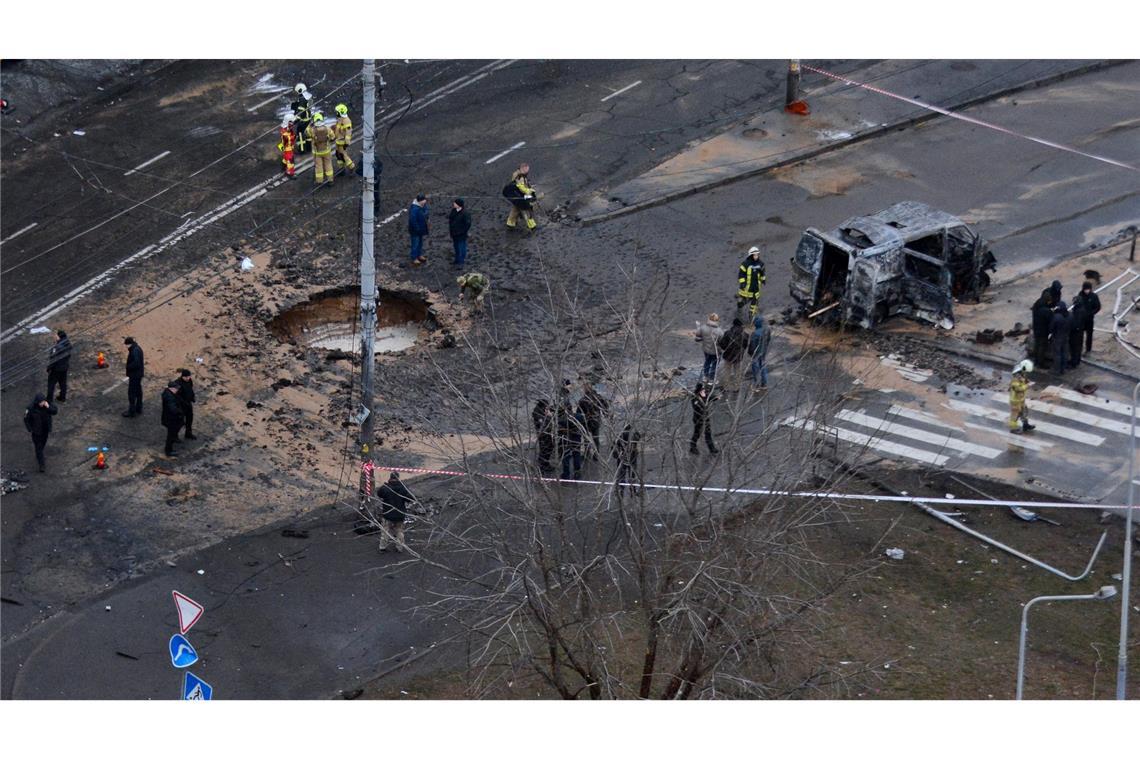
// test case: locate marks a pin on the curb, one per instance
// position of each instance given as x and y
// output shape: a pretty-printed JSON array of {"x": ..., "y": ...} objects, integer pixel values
[{"x": 831, "y": 147}]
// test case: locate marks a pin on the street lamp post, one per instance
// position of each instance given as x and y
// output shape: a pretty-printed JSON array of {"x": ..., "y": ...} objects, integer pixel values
[{"x": 1104, "y": 592}]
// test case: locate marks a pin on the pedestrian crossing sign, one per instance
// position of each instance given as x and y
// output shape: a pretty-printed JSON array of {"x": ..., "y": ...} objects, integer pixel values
[{"x": 195, "y": 689}]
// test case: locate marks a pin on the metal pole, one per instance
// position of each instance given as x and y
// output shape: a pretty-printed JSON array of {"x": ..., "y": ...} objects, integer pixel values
[
  {"x": 793, "y": 91},
  {"x": 368, "y": 264},
  {"x": 1132, "y": 253},
  {"x": 1101, "y": 594},
  {"x": 1122, "y": 652}
]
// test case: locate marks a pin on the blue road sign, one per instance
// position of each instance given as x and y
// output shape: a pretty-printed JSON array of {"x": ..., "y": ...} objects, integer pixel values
[
  {"x": 194, "y": 688},
  {"x": 182, "y": 654}
]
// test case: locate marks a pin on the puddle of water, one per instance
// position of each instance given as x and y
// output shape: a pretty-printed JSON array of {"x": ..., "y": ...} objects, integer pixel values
[{"x": 330, "y": 322}]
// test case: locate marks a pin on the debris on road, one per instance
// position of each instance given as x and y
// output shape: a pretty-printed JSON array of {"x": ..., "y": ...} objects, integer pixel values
[
  {"x": 895, "y": 553},
  {"x": 247, "y": 264}
]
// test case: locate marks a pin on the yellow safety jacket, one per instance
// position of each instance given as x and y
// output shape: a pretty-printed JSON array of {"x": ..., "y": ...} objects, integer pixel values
[
  {"x": 322, "y": 139},
  {"x": 343, "y": 131},
  {"x": 1018, "y": 387}
]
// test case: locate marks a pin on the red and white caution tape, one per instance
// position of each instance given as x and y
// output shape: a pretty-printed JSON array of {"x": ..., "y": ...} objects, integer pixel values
[
  {"x": 775, "y": 492},
  {"x": 972, "y": 120}
]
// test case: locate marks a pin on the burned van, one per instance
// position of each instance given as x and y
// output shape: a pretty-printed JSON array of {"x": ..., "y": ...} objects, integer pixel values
[{"x": 908, "y": 259}]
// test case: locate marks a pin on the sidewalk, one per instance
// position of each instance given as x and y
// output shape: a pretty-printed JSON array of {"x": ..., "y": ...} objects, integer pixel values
[{"x": 840, "y": 115}]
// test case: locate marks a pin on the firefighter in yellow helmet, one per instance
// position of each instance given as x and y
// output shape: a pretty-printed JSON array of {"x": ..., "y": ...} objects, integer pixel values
[
  {"x": 287, "y": 143},
  {"x": 323, "y": 140},
  {"x": 1018, "y": 388},
  {"x": 343, "y": 129},
  {"x": 521, "y": 195}
]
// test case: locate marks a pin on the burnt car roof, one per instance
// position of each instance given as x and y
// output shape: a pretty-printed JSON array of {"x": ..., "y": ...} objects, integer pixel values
[{"x": 900, "y": 222}]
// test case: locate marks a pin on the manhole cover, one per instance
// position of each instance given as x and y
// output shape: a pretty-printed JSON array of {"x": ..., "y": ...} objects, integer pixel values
[{"x": 331, "y": 321}]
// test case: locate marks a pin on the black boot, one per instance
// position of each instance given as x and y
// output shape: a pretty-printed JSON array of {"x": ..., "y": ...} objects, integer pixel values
[
  {"x": 693, "y": 449},
  {"x": 1025, "y": 426}
]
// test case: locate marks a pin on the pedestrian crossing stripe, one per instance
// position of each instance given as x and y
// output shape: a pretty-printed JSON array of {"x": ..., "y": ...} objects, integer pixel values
[
  {"x": 1076, "y": 415},
  {"x": 1094, "y": 401},
  {"x": 1045, "y": 428},
  {"x": 888, "y": 447},
  {"x": 938, "y": 439},
  {"x": 1013, "y": 439},
  {"x": 920, "y": 416}
]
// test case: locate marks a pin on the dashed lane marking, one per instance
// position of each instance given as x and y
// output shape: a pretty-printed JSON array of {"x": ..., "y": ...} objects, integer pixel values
[
  {"x": 266, "y": 102},
  {"x": 888, "y": 447},
  {"x": 118, "y": 382},
  {"x": 144, "y": 164},
  {"x": 17, "y": 234},
  {"x": 497, "y": 156},
  {"x": 1046, "y": 428},
  {"x": 627, "y": 88},
  {"x": 883, "y": 427}
]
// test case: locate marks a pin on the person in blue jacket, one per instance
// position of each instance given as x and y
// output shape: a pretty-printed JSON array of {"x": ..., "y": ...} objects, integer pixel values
[{"x": 418, "y": 228}]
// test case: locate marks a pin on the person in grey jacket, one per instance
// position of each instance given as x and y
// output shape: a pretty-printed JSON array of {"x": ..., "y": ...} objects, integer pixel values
[
  {"x": 709, "y": 335},
  {"x": 758, "y": 349}
]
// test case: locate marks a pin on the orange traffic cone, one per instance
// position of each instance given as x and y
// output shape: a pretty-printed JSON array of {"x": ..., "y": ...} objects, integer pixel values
[
  {"x": 100, "y": 361},
  {"x": 101, "y": 460}
]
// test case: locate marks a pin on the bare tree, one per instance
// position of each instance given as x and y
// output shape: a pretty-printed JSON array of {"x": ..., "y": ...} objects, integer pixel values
[{"x": 684, "y": 588}]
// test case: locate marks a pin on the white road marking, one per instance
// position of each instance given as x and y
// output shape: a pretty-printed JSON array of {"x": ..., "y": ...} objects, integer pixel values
[
  {"x": 920, "y": 416},
  {"x": 497, "y": 156},
  {"x": 883, "y": 427},
  {"x": 277, "y": 96},
  {"x": 1047, "y": 428},
  {"x": 118, "y": 382},
  {"x": 195, "y": 226},
  {"x": 17, "y": 234},
  {"x": 159, "y": 157},
  {"x": 1097, "y": 401},
  {"x": 627, "y": 88},
  {"x": 879, "y": 444},
  {"x": 1075, "y": 415},
  {"x": 452, "y": 91},
  {"x": 392, "y": 218},
  {"x": 1013, "y": 439}
]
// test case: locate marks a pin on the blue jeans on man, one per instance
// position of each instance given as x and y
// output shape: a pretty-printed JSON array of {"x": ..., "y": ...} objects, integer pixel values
[
  {"x": 417, "y": 246},
  {"x": 460, "y": 245},
  {"x": 709, "y": 370},
  {"x": 759, "y": 371}
]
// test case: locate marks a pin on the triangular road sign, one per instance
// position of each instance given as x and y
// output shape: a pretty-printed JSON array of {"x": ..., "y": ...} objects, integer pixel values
[{"x": 188, "y": 611}]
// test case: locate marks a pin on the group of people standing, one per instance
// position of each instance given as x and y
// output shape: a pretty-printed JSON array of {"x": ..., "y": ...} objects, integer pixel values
[
  {"x": 177, "y": 397},
  {"x": 1059, "y": 331},
  {"x": 304, "y": 130},
  {"x": 725, "y": 349},
  {"x": 572, "y": 432}
]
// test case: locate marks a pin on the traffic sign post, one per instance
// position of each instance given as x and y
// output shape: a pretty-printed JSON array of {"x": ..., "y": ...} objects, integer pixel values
[
  {"x": 182, "y": 654},
  {"x": 195, "y": 689},
  {"x": 188, "y": 611}
]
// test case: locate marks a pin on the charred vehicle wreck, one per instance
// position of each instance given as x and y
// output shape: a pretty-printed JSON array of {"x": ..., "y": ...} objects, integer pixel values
[{"x": 909, "y": 259}]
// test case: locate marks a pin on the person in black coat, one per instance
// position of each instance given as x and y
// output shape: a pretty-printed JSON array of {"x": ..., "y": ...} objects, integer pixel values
[
  {"x": 1076, "y": 320},
  {"x": 1090, "y": 304},
  {"x": 1059, "y": 334},
  {"x": 172, "y": 418},
  {"x": 702, "y": 399},
  {"x": 135, "y": 365},
  {"x": 59, "y": 359},
  {"x": 592, "y": 407},
  {"x": 570, "y": 427},
  {"x": 1055, "y": 291},
  {"x": 37, "y": 419},
  {"x": 458, "y": 225},
  {"x": 543, "y": 418},
  {"x": 1042, "y": 323},
  {"x": 394, "y": 498},
  {"x": 627, "y": 453},
  {"x": 186, "y": 401}
]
